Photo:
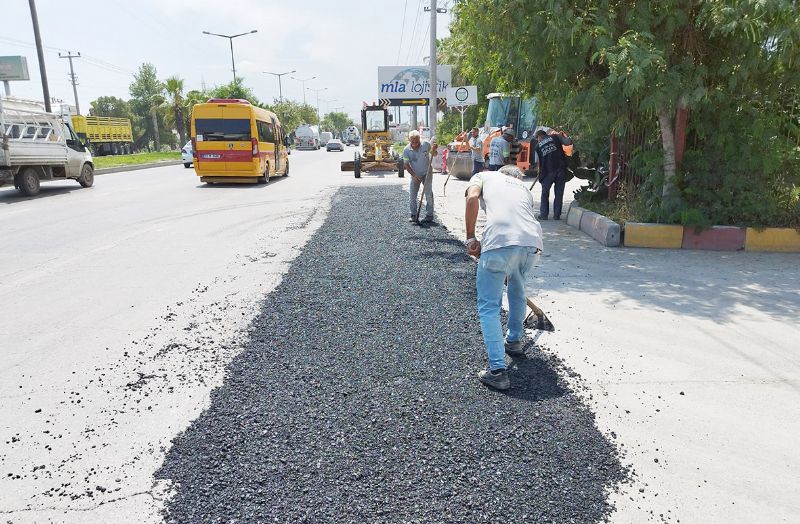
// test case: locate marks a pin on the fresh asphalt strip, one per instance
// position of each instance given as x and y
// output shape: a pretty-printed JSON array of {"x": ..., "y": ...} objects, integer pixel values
[{"x": 356, "y": 399}]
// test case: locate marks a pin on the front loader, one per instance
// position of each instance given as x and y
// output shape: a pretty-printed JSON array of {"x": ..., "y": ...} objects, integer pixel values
[{"x": 377, "y": 152}]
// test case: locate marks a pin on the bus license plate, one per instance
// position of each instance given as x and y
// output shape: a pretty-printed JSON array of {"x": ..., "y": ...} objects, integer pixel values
[{"x": 212, "y": 156}]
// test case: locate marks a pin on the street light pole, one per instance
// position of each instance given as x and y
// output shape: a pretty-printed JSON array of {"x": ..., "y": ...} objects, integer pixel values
[
  {"x": 279, "y": 75},
  {"x": 303, "y": 82},
  {"x": 318, "y": 91},
  {"x": 230, "y": 39}
]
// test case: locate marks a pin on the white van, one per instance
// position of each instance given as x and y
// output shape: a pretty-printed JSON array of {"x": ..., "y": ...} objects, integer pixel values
[{"x": 36, "y": 146}]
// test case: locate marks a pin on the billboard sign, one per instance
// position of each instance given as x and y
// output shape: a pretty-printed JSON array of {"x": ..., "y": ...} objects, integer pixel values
[
  {"x": 411, "y": 82},
  {"x": 14, "y": 68}
]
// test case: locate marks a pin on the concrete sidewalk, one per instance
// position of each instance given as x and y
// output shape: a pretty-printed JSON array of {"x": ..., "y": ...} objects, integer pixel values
[{"x": 692, "y": 364}]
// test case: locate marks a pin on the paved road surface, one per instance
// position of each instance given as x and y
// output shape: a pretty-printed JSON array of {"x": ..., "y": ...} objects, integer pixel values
[
  {"x": 689, "y": 359},
  {"x": 147, "y": 276}
]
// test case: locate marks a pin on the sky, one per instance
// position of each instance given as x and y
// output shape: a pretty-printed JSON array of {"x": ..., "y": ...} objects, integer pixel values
[{"x": 340, "y": 42}]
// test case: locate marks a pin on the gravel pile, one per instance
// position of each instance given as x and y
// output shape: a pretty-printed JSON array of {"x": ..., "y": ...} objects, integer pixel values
[{"x": 356, "y": 399}]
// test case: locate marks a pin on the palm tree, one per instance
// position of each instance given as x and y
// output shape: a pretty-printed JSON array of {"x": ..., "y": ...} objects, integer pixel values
[
  {"x": 174, "y": 89},
  {"x": 193, "y": 98}
]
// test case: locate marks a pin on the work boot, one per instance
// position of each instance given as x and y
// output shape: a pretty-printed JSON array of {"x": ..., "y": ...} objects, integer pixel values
[
  {"x": 497, "y": 379},
  {"x": 428, "y": 220},
  {"x": 515, "y": 349},
  {"x": 541, "y": 217}
]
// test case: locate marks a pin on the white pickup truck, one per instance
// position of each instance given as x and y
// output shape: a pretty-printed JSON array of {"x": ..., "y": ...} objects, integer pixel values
[{"x": 36, "y": 146}]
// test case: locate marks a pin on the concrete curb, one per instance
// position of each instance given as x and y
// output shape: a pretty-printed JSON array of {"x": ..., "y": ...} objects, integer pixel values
[
  {"x": 717, "y": 238},
  {"x": 600, "y": 228},
  {"x": 669, "y": 236},
  {"x": 779, "y": 239},
  {"x": 664, "y": 236},
  {"x": 136, "y": 167}
]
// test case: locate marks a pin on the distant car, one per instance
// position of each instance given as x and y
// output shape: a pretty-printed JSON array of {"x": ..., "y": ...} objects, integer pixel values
[
  {"x": 186, "y": 155},
  {"x": 334, "y": 145}
]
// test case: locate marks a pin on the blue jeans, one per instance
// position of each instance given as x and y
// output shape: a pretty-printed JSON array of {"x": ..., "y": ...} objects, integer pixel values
[
  {"x": 477, "y": 167},
  {"x": 558, "y": 180},
  {"x": 495, "y": 167},
  {"x": 427, "y": 190},
  {"x": 495, "y": 267}
]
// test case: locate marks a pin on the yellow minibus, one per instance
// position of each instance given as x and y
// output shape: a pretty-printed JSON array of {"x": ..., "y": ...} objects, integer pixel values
[{"x": 235, "y": 141}]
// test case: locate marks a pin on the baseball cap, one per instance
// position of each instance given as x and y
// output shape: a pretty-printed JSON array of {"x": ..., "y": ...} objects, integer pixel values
[{"x": 509, "y": 131}]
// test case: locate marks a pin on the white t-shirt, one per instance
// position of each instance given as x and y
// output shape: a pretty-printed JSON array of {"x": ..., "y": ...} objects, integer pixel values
[{"x": 510, "y": 218}]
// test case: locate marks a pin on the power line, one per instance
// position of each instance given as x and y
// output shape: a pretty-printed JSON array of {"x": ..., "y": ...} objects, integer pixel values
[
  {"x": 414, "y": 31},
  {"x": 402, "y": 30},
  {"x": 424, "y": 40},
  {"x": 94, "y": 61}
]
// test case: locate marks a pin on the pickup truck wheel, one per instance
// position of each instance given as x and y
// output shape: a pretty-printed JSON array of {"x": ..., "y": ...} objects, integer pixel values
[
  {"x": 187, "y": 165},
  {"x": 286, "y": 169},
  {"x": 28, "y": 182},
  {"x": 87, "y": 176}
]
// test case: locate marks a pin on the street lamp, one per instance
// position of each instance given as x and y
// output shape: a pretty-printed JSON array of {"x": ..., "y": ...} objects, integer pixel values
[
  {"x": 317, "y": 91},
  {"x": 230, "y": 39},
  {"x": 303, "y": 81},
  {"x": 279, "y": 75}
]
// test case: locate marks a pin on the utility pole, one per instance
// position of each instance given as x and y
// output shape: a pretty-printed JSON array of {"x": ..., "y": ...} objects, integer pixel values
[
  {"x": 434, "y": 100},
  {"x": 40, "y": 53},
  {"x": 72, "y": 78}
]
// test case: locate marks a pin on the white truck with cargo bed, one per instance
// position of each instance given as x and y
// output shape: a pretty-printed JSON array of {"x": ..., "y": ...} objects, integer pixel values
[{"x": 37, "y": 146}]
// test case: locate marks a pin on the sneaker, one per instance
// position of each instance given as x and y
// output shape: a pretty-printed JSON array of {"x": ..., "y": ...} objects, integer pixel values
[
  {"x": 497, "y": 379},
  {"x": 412, "y": 219},
  {"x": 557, "y": 217},
  {"x": 428, "y": 220},
  {"x": 515, "y": 349}
]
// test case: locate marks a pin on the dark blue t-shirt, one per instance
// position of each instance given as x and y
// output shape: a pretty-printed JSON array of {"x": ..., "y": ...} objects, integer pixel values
[{"x": 551, "y": 155}]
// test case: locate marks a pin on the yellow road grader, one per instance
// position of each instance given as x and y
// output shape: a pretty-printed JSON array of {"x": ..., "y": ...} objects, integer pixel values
[{"x": 377, "y": 152}]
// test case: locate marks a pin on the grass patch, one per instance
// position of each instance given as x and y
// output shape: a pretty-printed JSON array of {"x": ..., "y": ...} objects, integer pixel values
[{"x": 101, "y": 162}]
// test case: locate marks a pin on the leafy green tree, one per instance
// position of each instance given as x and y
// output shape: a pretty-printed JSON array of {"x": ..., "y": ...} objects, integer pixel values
[
  {"x": 235, "y": 89},
  {"x": 109, "y": 106},
  {"x": 680, "y": 68},
  {"x": 176, "y": 102},
  {"x": 144, "y": 91},
  {"x": 336, "y": 121},
  {"x": 292, "y": 114}
]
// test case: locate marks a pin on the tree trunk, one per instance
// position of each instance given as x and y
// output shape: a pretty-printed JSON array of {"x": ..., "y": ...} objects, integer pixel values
[
  {"x": 156, "y": 137},
  {"x": 668, "y": 144},
  {"x": 179, "y": 123}
]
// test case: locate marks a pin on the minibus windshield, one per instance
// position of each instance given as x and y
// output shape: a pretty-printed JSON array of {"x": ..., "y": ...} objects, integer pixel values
[{"x": 223, "y": 129}]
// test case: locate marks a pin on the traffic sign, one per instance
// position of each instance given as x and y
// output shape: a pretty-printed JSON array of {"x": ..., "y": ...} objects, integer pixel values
[
  {"x": 408, "y": 102},
  {"x": 14, "y": 68},
  {"x": 462, "y": 96}
]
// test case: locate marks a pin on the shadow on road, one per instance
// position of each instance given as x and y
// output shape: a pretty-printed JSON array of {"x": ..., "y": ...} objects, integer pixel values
[
  {"x": 707, "y": 284},
  {"x": 217, "y": 185},
  {"x": 12, "y": 196}
]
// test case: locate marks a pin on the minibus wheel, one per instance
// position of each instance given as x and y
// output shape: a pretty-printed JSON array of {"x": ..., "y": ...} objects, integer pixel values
[{"x": 286, "y": 169}]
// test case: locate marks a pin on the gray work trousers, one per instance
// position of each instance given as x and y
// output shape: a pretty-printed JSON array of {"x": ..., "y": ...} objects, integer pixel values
[{"x": 413, "y": 189}]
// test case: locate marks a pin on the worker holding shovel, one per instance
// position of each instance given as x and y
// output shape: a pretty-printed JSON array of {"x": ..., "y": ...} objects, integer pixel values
[
  {"x": 507, "y": 250},
  {"x": 417, "y": 161}
]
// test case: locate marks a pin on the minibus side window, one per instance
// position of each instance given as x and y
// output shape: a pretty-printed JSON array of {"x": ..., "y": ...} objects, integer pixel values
[{"x": 265, "y": 132}]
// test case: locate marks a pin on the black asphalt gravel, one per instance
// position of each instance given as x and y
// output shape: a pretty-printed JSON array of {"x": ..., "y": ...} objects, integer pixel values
[{"x": 357, "y": 401}]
